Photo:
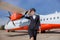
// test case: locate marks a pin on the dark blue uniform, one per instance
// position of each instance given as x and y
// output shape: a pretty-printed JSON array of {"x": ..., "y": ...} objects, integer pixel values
[{"x": 34, "y": 26}]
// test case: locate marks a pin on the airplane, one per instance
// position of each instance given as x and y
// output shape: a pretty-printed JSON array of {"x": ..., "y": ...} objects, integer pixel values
[{"x": 47, "y": 22}]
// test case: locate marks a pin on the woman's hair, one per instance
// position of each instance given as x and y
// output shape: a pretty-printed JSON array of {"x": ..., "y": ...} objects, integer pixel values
[{"x": 33, "y": 9}]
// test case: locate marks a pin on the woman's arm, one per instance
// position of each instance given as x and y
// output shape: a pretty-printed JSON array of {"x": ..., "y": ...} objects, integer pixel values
[{"x": 26, "y": 16}]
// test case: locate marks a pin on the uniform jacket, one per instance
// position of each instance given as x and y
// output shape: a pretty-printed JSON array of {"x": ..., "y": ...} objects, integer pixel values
[{"x": 35, "y": 23}]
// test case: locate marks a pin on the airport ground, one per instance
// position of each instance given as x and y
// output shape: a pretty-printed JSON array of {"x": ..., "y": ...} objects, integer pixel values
[{"x": 23, "y": 35}]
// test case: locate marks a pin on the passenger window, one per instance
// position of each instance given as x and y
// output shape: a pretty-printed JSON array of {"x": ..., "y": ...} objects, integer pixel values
[
  {"x": 57, "y": 17},
  {"x": 50, "y": 18},
  {"x": 41, "y": 19},
  {"x": 44, "y": 19},
  {"x": 47, "y": 18},
  {"x": 53, "y": 17}
]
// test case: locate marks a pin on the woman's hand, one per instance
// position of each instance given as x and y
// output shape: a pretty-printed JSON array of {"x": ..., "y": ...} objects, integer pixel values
[{"x": 29, "y": 12}]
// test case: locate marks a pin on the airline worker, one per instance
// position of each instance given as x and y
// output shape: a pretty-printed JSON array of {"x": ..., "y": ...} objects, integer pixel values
[{"x": 34, "y": 24}]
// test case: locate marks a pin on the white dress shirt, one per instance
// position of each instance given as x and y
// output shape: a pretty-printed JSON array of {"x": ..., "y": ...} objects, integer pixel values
[{"x": 34, "y": 16}]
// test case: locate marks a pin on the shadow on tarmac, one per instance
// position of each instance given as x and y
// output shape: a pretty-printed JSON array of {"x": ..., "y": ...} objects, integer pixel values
[{"x": 22, "y": 33}]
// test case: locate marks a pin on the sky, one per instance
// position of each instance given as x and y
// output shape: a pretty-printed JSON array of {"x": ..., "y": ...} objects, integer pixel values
[{"x": 43, "y": 7}]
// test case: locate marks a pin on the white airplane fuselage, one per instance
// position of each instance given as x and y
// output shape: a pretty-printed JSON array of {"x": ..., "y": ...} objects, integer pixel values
[{"x": 47, "y": 22}]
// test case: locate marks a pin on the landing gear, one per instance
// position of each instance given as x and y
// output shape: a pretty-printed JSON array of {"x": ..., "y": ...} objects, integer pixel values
[
  {"x": 13, "y": 31},
  {"x": 7, "y": 30},
  {"x": 43, "y": 31},
  {"x": 10, "y": 30}
]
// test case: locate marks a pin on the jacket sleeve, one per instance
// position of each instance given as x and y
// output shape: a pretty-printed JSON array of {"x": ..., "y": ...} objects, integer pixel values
[
  {"x": 38, "y": 22},
  {"x": 26, "y": 16}
]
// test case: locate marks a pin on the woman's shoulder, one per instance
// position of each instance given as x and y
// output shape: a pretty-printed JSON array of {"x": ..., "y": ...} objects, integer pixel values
[{"x": 37, "y": 15}]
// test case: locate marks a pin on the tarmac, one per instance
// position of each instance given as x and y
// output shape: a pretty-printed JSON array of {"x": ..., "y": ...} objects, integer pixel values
[{"x": 23, "y": 35}]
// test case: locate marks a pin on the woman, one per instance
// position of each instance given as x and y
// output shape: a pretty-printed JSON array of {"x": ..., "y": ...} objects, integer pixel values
[{"x": 34, "y": 24}]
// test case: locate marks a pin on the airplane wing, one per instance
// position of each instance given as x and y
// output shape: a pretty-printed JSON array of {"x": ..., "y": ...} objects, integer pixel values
[{"x": 11, "y": 8}]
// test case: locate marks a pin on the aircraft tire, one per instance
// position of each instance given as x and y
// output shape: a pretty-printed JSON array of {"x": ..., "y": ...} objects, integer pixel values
[{"x": 43, "y": 31}]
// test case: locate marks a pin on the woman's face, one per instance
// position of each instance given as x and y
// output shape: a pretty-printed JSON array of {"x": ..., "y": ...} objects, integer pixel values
[{"x": 32, "y": 13}]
